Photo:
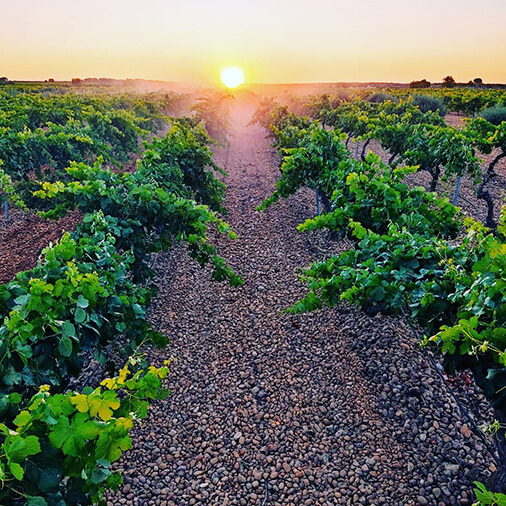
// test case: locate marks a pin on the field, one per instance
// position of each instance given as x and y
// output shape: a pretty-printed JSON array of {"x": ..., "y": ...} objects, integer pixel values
[{"x": 247, "y": 299}]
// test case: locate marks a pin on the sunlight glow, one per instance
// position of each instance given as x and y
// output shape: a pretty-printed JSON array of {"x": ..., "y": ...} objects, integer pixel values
[{"x": 232, "y": 77}]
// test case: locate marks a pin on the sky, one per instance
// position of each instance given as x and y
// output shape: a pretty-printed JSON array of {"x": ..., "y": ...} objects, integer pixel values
[{"x": 274, "y": 41}]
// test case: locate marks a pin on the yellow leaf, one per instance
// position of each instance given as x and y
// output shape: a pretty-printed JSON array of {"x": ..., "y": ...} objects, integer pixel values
[
  {"x": 124, "y": 423},
  {"x": 109, "y": 383},
  {"x": 103, "y": 408},
  {"x": 80, "y": 401},
  {"x": 123, "y": 373}
]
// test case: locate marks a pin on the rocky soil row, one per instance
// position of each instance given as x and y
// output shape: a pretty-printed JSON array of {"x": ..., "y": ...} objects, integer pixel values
[{"x": 333, "y": 407}]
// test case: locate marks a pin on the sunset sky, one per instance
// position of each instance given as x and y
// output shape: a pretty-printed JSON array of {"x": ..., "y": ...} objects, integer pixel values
[{"x": 272, "y": 40}]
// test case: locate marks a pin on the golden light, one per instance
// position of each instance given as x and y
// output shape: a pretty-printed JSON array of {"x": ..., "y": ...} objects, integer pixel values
[{"x": 232, "y": 77}]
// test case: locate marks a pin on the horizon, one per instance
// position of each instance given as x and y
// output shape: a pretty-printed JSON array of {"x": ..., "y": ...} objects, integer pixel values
[
  {"x": 87, "y": 79},
  {"x": 328, "y": 41}
]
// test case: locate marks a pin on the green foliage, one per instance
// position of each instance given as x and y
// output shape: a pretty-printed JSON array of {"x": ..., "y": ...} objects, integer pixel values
[
  {"x": 495, "y": 114},
  {"x": 262, "y": 115},
  {"x": 60, "y": 447},
  {"x": 477, "y": 336},
  {"x": 463, "y": 101},
  {"x": 310, "y": 164},
  {"x": 8, "y": 190},
  {"x": 79, "y": 298},
  {"x": 427, "y": 103},
  {"x": 380, "y": 97},
  {"x": 184, "y": 152},
  {"x": 142, "y": 215},
  {"x": 41, "y": 134},
  {"x": 414, "y": 254},
  {"x": 375, "y": 196},
  {"x": 87, "y": 296},
  {"x": 388, "y": 273},
  {"x": 153, "y": 208},
  {"x": 435, "y": 149},
  {"x": 486, "y": 498},
  {"x": 212, "y": 110}
]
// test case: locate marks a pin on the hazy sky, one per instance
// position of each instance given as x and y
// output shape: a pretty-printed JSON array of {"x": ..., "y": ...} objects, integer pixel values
[{"x": 273, "y": 40}]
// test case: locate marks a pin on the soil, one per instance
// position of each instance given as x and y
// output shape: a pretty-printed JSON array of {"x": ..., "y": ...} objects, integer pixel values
[
  {"x": 266, "y": 408},
  {"x": 23, "y": 237}
]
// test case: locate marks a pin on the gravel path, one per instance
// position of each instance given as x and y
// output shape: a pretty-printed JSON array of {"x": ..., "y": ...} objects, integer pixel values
[{"x": 333, "y": 407}]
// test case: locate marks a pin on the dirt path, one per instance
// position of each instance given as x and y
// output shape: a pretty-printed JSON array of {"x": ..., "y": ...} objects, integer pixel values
[{"x": 270, "y": 409}]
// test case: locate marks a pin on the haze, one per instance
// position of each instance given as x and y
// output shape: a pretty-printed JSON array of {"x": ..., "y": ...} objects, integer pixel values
[{"x": 273, "y": 41}]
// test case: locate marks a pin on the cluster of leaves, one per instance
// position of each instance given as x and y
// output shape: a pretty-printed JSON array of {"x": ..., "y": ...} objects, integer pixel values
[
  {"x": 461, "y": 100},
  {"x": 212, "y": 111},
  {"x": 426, "y": 103},
  {"x": 41, "y": 134},
  {"x": 486, "y": 137},
  {"x": 59, "y": 449},
  {"x": 495, "y": 115},
  {"x": 309, "y": 162},
  {"x": 372, "y": 194},
  {"x": 486, "y": 498},
  {"x": 420, "y": 138},
  {"x": 411, "y": 132},
  {"x": 321, "y": 161},
  {"x": 89, "y": 294},
  {"x": 184, "y": 157},
  {"x": 435, "y": 149},
  {"x": 410, "y": 256},
  {"x": 8, "y": 189},
  {"x": 164, "y": 201},
  {"x": 80, "y": 297}
]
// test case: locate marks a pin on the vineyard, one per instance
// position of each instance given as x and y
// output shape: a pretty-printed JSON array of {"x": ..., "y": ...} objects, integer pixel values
[{"x": 308, "y": 309}]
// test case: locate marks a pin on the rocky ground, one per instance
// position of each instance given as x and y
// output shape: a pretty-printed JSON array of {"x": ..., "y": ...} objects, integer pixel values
[
  {"x": 24, "y": 235},
  {"x": 333, "y": 407}
]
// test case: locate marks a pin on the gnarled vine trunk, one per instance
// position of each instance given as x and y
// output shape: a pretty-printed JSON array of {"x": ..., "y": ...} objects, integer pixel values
[
  {"x": 435, "y": 173},
  {"x": 483, "y": 194},
  {"x": 494, "y": 162},
  {"x": 364, "y": 147}
]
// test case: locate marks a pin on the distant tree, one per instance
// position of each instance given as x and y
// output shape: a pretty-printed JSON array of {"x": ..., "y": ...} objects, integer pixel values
[
  {"x": 76, "y": 80},
  {"x": 420, "y": 84},
  {"x": 4, "y": 80},
  {"x": 448, "y": 82},
  {"x": 478, "y": 81},
  {"x": 50, "y": 80}
]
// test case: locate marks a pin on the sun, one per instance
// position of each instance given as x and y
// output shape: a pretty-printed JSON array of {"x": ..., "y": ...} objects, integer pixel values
[{"x": 232, "y": 77}]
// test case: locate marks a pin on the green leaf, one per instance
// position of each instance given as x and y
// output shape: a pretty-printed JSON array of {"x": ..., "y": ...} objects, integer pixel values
[
  {"x": 35, "y": 501},
  {"x": 82, "y": 302},
  {"x": 100, "y": 475},
  {"x": 22, "y": 299},
  {"x": 65, "y": 346},
  {"x": 49, "y": 479},
  {"x": 68, "y": 329},
  {"x": 80, "y": 315},
  {"x": 20, "y": 448},
  {"x": 23, "y": 418},
  {"x": 16, "y": 470}
]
